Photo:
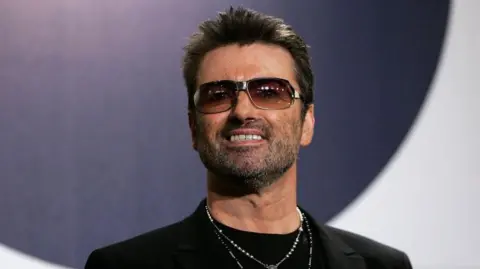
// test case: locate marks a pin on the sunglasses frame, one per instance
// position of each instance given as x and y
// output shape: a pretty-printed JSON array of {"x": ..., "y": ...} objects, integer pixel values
[{"x": 243, "y": 86}]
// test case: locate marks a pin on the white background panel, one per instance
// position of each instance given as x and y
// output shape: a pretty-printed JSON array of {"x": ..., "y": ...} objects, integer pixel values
[{"x": 426, "y": 201}]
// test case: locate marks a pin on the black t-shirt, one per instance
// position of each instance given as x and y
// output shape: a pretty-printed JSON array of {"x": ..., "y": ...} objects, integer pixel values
[{"x": 268, "y": 248}]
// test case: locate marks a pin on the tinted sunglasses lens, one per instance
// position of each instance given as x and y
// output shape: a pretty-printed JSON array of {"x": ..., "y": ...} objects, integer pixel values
[
  {"x": 215, "y": 97},
  {"x": 270, "y": 93}
]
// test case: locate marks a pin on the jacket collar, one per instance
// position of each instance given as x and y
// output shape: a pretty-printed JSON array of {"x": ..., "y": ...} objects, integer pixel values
[{"x": 197, "y": 237}]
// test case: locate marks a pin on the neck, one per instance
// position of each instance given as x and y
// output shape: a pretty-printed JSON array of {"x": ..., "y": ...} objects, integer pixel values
[{"x": 271, "y": 210}]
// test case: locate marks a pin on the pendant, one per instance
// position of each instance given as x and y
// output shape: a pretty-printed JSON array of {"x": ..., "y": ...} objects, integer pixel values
[{"x": 273, "y": 266}]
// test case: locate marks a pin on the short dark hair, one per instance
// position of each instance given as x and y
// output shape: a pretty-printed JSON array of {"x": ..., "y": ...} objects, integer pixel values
[{"x": 245, "y": 26}]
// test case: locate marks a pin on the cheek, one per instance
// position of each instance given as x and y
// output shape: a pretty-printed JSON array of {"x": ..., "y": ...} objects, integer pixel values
[
  {"x": 287, "y": 121},
  {"x": 207, "y": 127},
  {"x": 289, "y": 124}
]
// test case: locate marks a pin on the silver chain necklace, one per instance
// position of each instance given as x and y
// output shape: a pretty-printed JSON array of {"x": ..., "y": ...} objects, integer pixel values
[{"x": 221, "y": 235}]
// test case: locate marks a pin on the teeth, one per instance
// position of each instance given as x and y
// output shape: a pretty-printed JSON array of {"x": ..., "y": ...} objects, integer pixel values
[{"x": 245, "y": 137}]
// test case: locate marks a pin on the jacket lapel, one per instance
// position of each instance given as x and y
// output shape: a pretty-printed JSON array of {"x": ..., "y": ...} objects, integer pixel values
[
  {"x": 195, "y": 242},
  {"x": 337, "y": 253},
  {"x": 190, "y": 258},
  {"x": 341, "y": 256}
]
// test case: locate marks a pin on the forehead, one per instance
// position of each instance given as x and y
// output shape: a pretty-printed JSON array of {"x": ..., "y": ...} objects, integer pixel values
[{"x": 235, "y": 62}]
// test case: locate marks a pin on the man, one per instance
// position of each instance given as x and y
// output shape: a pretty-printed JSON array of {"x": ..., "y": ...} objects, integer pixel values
[{"x": 250, "y": 88}]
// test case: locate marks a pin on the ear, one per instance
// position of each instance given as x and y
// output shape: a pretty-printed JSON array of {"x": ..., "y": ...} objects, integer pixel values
[
  {"x": 308, "y": 127},
  {"x": 193, "y": 128}
]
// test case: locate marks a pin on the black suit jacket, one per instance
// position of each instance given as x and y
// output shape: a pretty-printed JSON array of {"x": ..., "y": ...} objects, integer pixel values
[{"x": 185, "y": 245}]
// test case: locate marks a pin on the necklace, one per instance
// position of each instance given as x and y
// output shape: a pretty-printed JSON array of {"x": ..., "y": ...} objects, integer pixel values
[{"x": 221, "y": 236}]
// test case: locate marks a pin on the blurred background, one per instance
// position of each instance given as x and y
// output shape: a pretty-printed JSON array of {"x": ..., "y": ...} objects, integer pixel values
[{"x": 95, "y": 147}]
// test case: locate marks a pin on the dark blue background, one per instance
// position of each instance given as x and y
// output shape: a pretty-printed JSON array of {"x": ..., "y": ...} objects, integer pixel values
[{"x": 94, "y": 141}]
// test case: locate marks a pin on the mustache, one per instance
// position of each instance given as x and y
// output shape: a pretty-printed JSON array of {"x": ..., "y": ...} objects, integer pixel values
[{"x": 257, "y": 125}]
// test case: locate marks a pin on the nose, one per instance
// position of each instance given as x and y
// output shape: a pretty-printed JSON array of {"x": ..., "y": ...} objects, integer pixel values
[{"x": 243, "y": 108}]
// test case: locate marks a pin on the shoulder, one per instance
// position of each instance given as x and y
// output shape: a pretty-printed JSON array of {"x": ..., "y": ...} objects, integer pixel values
[
  {"x": 147, "y": 249},
  {"x": 374, "y": 252}
]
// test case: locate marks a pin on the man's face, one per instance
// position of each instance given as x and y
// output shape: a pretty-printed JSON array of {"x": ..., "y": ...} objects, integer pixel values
[{"x": 255, "y": 163}]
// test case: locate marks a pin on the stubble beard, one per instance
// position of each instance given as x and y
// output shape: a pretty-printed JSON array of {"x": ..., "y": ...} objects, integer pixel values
[{"x": 249, "y": 169}]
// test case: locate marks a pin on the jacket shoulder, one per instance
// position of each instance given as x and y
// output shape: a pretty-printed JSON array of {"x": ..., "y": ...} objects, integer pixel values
[
  {"x": 145, "y": 249},
  {"x": 374, "y": 252}
]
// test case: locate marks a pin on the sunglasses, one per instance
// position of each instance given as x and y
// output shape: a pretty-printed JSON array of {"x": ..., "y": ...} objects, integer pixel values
[{"x": 264, "y": 93}]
